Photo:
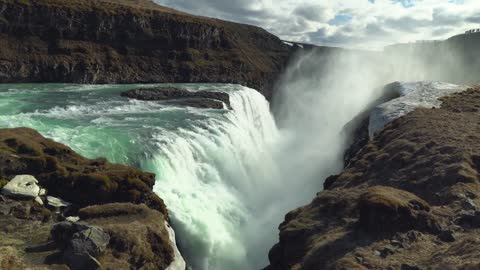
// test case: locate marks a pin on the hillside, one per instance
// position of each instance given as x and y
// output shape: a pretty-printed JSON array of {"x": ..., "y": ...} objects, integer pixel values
[
  {"x": 131, "y": 41},
  {"x": 407, "y": 200}
]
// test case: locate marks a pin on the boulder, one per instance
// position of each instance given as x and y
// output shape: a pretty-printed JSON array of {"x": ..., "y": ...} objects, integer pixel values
[
  {"x": 80, "y": 244},
  {"x": 24, "y": 186},
  {"x": 62, "y": 232},
  {"x": 84, "y": 247}
]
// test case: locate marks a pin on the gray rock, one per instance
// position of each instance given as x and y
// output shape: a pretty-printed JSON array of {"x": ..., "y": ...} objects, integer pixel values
[
  {"x": 57, "y": 202},
  {"x": 72, "y": 219},
  {"x": 84, "y": 246},
  {"x": 80, "y": 243},
  {"x": 24, "y": 186},
  {"x": 63, "y": 232}
]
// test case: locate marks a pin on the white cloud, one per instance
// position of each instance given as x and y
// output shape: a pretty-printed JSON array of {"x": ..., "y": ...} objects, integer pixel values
[{"x": 348, "y": 23}]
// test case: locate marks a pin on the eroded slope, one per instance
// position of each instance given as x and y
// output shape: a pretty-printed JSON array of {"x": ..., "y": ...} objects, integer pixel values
[{"x": 407, "y": 200}]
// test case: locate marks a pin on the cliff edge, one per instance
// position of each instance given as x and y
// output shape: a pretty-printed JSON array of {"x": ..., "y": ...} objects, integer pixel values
[
  {"x": 409, "y": 199},
  {"x": 58, "y": 208}
]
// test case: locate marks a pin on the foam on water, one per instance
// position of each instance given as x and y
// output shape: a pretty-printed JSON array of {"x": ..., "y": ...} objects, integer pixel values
[{"x": 215, "y": 168}]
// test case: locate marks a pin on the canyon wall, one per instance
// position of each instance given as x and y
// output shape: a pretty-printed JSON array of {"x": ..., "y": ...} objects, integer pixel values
[{"x": 132, "y": 42}]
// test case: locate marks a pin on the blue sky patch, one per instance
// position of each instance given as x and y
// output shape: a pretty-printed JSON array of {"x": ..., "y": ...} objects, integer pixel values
[
  {"x": 405, "y": 3},
  {"x": 340, "y": 19}
]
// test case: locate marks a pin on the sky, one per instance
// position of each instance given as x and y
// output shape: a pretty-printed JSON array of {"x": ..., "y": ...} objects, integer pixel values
[{"x": 364, "y": 24}]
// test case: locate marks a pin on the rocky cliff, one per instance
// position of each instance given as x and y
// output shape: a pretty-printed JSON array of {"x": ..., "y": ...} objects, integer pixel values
[
  {"x": 131, "y": 41},
  {"x": 407, "y": 200}
]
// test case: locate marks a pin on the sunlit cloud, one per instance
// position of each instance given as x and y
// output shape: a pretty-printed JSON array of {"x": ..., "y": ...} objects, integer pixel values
[{"x": 368, "y": 24}]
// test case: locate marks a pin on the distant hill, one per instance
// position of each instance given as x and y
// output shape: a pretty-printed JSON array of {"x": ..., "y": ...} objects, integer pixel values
[{"x": 456, "y": 60}]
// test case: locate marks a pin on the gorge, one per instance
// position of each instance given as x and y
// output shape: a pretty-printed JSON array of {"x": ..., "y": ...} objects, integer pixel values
[{"x": 229, "y": 174}]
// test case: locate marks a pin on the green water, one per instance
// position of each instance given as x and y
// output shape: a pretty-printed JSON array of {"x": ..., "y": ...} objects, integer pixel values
[{"x": 205, "y": 160}]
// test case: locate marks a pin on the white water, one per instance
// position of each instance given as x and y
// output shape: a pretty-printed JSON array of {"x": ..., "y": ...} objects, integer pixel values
[
  {"x": 422, "y": 94},
  {"x": 216, "y": 169},
  {"x": 214, "y": 178},
  {"x": 227, "y": 177}
]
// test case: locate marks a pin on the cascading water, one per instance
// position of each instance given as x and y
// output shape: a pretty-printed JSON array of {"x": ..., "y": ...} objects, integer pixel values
[
  {"x": 227, "y": 176},
  {"x": 214, "y": 168}
]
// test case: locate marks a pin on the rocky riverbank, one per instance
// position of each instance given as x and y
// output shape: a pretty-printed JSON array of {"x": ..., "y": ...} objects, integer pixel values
[
  {"x": 86, "y": 214},
  {"x": 408, "y": 199},
  {"x": 132, "y": 42}
]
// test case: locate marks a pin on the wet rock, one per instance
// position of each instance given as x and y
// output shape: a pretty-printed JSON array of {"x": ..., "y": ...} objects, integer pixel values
[
  {"x": 22, "y": 186},
  {"x": 203, "y": 103},
  {"x": 200, "y": 99}
]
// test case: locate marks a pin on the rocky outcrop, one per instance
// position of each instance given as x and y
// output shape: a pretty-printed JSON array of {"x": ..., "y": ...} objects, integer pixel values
[
  {"x": 109, "y": 216},
  {"x": 129, "y": 41},
  {"x": 69, "y": 176},
  {"x": 81, "y": 244},
  {"x": 22, "y": 186},
  {"x": 139, "y": 236},
  {"x": 407, "y": 200},
  {"x": 200, "y": 99}
]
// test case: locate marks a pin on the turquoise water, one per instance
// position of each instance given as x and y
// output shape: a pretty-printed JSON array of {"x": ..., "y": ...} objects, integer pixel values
[
  {"x": 213, "y": 167},
  {"x": 95, "y": 120}
]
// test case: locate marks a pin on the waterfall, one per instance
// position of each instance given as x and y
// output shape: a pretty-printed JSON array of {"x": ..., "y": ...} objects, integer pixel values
[
  {"x": 228, "y": 177},
  {"x": 213, "y": 178}
]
